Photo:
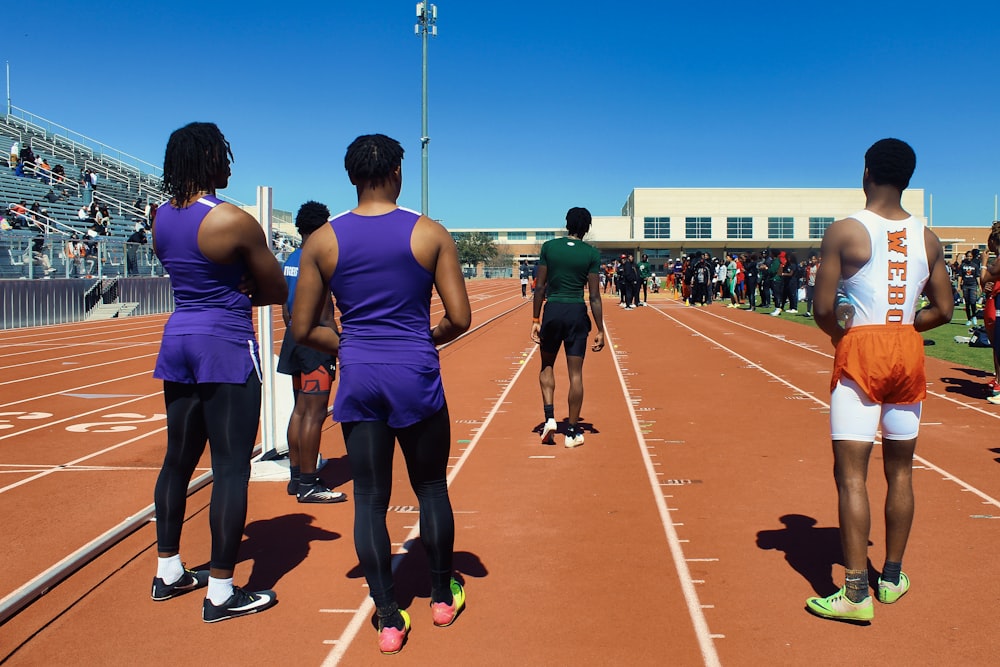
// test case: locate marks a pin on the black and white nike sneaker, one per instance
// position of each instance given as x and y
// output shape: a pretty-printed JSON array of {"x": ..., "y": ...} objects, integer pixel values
[{"x": 240, "y": 603}]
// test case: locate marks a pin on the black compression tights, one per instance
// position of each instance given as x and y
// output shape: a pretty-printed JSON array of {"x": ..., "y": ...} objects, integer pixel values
[
  {"x": 226, "y": 415},
  {"x": 425, "y": 447}
]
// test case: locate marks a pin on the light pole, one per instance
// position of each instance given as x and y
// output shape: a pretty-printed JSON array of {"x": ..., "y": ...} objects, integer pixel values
[{"x": 426, "y": 25}]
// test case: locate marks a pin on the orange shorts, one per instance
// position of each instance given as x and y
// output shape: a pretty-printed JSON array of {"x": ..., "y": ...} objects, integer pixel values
[
  {"x": 318, "y": 381},
  {"x": 886, "y": 361}
]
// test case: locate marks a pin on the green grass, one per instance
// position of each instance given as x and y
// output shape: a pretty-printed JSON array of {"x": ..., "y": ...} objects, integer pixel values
[{"x": 944, "y": 346}]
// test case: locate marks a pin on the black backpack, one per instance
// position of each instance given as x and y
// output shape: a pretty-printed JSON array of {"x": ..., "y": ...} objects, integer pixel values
[{"x": 979, "y": 338}]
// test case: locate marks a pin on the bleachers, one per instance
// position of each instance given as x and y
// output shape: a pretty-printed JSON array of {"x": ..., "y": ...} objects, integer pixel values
[{"x": 119, "y": 184}]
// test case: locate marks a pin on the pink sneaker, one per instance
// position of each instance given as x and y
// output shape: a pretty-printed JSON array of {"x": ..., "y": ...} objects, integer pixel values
[
  {"x": 445, "y": 614},
  {"x": 391, "y": 640}
]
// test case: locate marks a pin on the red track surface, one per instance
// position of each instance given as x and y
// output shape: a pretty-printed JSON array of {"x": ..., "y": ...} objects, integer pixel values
[{"x": 688, "y": 530}]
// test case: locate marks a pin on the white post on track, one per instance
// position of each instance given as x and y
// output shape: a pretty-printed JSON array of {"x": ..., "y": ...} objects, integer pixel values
[{"x": 265, "y": 328}]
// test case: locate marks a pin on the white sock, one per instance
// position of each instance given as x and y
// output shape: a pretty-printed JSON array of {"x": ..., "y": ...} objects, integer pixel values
[
  {"x": 219, "y": 590},
  {"x": 169, "y": 569}
]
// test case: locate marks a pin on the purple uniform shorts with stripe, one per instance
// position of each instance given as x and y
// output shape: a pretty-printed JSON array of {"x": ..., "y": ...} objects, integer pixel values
[
  {"x": 396, "y": 394},
  {"x": 201, "y": 358}
]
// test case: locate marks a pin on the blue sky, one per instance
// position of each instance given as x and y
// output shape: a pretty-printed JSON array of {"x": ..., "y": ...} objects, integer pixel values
[{"x": 534, "y": 107}]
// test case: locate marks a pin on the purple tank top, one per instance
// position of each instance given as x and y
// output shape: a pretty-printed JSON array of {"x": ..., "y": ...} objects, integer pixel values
[
  {"x": 382, "y": 292},
  {"x": 206, "y": 295}
]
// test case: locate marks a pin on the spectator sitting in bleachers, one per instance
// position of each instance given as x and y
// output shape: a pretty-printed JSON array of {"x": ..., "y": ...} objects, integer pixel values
[
  {"x": 44, "y": 171},
  {"x": 28, "y": 160},
  {"x": 36, "y": 213},
  {"x": 59, "y": 172},
  {"x": 38, "y": 254},
  {"x": 15, "y": 155},
  {"x": 20, "y": 212},
  {"x": 51, "y": 196}
]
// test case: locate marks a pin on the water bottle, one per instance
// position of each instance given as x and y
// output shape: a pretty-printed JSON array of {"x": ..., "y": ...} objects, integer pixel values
[{"x": 843, "y": 309}]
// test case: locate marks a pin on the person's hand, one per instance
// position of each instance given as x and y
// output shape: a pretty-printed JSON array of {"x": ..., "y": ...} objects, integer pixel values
[
  {"x": 247, "y": 285},
  {"x": 536, "y": 333},
  {"x": 598, "y": 342}
]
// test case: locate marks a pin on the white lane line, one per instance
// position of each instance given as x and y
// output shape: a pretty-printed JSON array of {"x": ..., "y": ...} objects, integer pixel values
[
  {"x": 364, "y": 609},
  {"x": 945, "y": 474},
  {"x": 81, "y": 459},
  {"x": 708, "y": 653}
]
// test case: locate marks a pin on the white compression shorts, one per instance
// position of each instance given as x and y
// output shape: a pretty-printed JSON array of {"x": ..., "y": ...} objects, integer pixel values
[{"x": 854, "y": 416}]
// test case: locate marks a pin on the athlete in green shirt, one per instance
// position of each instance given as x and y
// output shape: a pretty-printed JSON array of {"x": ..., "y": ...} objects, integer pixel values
[{"x": 565, "y": 265}]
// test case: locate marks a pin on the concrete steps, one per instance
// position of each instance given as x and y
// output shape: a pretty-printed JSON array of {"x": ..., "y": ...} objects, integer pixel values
[{"x": 107, "y": 311}]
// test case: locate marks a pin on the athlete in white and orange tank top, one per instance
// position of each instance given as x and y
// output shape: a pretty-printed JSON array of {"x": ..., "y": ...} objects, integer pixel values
[
  {"x": 885, "y": 259},
  {"x": 882, "y": 352}
]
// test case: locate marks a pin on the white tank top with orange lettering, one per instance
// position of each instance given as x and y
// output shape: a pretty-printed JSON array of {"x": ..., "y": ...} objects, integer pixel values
[{"x": 887, "y": 289}]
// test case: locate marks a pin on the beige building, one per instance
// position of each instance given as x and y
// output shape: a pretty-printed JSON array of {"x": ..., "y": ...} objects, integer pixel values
[{"x": 666, "y": 223}]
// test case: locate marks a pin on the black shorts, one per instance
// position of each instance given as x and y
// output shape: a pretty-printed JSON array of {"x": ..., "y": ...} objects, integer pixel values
[
  {"x": 565, "y": 324},
  {"x": 297, "y": 359}
]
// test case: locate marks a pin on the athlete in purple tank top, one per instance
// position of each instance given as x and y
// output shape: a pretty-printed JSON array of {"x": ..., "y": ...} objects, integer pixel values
[
  {"x": 219, "y": 266},
  {"x": 380, "y": 261}
]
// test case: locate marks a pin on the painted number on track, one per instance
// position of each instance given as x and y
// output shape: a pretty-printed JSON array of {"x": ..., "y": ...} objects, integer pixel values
[
  {"x": 131, "y": 419},
  {"x": 5, "y": 422}
]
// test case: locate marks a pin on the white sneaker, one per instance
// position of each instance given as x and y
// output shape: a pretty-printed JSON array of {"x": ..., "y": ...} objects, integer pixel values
[
  {"x": 791, "y": 311},
  {"x": 975, "y": 322},
  {"x": 574, "y": 440},
  {"x": 776, "y": 312},
  {"x": 549, "y": 432}
]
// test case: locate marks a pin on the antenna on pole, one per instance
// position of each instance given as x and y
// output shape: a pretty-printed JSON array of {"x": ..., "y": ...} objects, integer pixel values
[{"x": 426, "y": 25}]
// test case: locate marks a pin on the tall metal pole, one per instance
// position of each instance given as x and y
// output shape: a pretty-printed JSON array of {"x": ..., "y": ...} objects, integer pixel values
[{"x": 426, "y": 26}]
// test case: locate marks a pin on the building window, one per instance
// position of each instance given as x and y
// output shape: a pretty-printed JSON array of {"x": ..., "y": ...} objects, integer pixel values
[
  {"x": 493, "y": 235},
  {"x": 544, "y": 236},
  {"x": 698, "y": 228},
  {"x": 517, "y": 236},
  {"x": 656, "y": 228},
  {"x": 780, "y": 228},
  {"x": 739, "y": 228},
  {"x": 817, "y": 227}
]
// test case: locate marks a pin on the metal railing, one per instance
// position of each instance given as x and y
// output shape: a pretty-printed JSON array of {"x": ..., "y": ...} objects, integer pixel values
[{"x": 51, "y": 130}]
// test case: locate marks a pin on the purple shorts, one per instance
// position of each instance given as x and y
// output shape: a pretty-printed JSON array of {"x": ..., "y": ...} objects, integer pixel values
[
  {"x": 395, "y": 394},
  {"x": 201, "y": 358}
]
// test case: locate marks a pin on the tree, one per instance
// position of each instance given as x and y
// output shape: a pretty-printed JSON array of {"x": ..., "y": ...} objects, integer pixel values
[{"x": 475, "y": 247}]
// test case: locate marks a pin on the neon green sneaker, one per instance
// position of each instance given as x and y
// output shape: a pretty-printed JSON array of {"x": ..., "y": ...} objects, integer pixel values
[
  {"x": 444, "y": 614},
  {"x": 889, "y": 593},
  {"x": 839, "y": 608}
]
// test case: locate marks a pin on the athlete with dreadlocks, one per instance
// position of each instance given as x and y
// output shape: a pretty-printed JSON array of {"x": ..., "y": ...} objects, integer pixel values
[
  {"x": 312, "y": 374},
  {"x": 220, "y": 267},
  {"x": 390, "y": 374}
]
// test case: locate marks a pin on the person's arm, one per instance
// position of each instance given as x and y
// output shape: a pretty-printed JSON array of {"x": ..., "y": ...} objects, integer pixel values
[
  {"x": 450, "y": 285},
  {"x": 536, "y": 304},
  {"x": 940, "y": 305},
  {"x": 312, "y": 294},
  {"x": 597, "y": 310},
  {"x": 827, "y": 281},
  {"x": 229, "y": 234}
]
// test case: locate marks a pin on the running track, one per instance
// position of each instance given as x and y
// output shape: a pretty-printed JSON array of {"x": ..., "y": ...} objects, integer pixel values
[{"x": 688, "y": 530}]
